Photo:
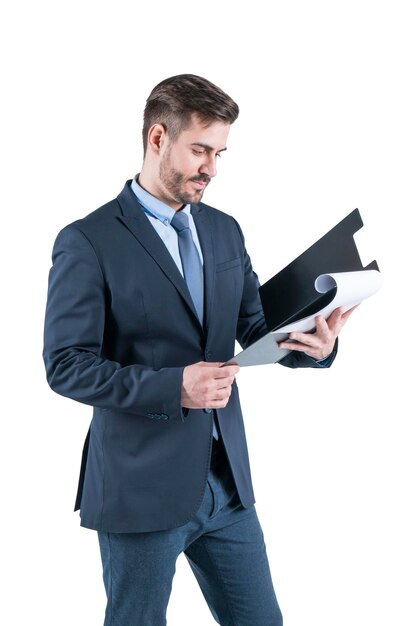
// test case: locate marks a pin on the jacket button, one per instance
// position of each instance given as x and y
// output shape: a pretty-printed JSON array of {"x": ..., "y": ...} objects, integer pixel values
[
  {"x": 207, "y": 410},
  {"x": 208, "y": 354}
]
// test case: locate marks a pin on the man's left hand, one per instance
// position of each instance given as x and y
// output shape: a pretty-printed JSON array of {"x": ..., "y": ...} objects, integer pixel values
[{"x": 320, "y": 343}]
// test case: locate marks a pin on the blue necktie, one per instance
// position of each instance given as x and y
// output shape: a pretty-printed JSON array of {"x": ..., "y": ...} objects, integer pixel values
[
  {"x": 192, "y": 267},
  {"x": 190, "y": 259}
]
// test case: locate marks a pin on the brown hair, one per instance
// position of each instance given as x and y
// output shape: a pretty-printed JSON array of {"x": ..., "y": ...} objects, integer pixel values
[{"x": 173, "y": 101}]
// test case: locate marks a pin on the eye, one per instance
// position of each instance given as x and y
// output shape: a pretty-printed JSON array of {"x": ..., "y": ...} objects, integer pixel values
[
  {"x": 218, "y": 154},
  {"x": 198, "y": 152}
]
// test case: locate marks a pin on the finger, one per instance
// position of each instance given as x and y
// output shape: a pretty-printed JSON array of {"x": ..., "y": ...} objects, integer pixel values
[
  {"x": 336, "y": 322},
  {"x": 322, "y": 325},
  {"x": 307, "y": 339},
  {"x": 228, "y": 370},
  {"x": 334, "y": 318},
  {"x": 223, "y": 383},
  {"x": 299, "y": 347},
  {"x": 347, "y": 314},
  {"x": 219, "y": 399}
]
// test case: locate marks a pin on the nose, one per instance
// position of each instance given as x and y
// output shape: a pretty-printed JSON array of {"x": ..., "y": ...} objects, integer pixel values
[{"x": 208, "y": 167}]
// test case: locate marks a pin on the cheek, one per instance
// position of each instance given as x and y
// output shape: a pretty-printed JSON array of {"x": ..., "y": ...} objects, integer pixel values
[{"x": 187, "y": 164}]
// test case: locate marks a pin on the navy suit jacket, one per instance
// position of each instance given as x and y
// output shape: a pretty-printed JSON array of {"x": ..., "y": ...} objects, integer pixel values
[{"x": 120, "y": 328}]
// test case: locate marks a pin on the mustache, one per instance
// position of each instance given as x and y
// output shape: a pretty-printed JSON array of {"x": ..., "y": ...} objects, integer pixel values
[{"x": 203, "y": 178}]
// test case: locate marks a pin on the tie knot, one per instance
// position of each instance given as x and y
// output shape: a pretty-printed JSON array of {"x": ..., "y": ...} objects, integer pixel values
[{"x": 180, "y": 221}]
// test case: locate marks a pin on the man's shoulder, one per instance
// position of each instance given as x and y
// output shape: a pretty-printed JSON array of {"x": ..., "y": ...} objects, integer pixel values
[
  {"x": 108, "y": 211},
  {"x": 103, "y": 213},
  {"x": 100, "y": 220},
  {"x": 93, "y": 226}
]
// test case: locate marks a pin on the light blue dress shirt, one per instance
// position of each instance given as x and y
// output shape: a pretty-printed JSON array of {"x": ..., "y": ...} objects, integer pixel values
[{"x": 160, "y": 216}]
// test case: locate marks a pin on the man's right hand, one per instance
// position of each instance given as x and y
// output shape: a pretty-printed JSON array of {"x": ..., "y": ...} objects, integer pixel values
[{"x": 207, "y": 385}]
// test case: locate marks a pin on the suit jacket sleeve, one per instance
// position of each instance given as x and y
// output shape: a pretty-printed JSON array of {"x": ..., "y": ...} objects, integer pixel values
[{"x": 74, "y": 329}]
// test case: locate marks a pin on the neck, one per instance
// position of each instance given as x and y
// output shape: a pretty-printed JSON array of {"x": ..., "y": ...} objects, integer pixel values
[{"x": 150, "y": 184}]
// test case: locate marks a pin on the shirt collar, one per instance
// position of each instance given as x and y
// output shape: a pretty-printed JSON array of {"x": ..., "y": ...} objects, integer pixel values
[{"x": 154, "y": 206}]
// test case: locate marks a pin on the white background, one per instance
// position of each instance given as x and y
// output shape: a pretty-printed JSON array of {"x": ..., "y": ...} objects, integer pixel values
[{"x": 328, "y": 123}]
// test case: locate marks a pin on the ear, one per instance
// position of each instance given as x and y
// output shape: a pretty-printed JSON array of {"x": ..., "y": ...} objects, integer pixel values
[{"x": 157, "y": 136}]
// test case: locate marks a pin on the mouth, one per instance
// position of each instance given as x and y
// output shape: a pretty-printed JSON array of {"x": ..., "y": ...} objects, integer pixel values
[{"x": 200, "y": 183}]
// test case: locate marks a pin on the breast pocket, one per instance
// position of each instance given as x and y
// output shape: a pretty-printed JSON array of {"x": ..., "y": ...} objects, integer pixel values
[
  {"x": 229, "y": 283},
  {"x": 228, "y": 265}
]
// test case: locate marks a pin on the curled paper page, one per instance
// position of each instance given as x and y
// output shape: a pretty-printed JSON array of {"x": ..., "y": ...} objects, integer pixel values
[{"x": 350, "y": 289}]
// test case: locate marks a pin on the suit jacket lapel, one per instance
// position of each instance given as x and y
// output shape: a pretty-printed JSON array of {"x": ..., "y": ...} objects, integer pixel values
[{"x": 137, "y": 222}]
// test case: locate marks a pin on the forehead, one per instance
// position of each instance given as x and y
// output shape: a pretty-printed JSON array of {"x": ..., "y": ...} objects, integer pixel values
[{"x": 213, "y": 134}]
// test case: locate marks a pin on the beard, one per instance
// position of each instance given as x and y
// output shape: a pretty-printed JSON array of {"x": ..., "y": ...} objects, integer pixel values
[{"x": 174, "y": 182}]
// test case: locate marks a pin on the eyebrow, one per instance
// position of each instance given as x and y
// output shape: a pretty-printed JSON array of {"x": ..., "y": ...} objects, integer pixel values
[{"x": 207, "y": 147}]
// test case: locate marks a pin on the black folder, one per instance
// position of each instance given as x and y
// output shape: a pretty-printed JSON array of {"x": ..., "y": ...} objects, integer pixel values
[{"x": 291, "y": 294}]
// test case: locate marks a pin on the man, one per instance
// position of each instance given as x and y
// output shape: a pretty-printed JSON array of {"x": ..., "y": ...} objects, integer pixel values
[{"x": 147, "y": 296}]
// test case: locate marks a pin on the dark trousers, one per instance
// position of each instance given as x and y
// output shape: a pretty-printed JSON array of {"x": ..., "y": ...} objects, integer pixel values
[{"x": 224, "y": 546}]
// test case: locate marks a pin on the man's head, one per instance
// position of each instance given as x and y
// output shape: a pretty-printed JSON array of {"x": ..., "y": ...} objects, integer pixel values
[
  {"x": 186, "y": 124},
  {"x": 175, "y": 100}
]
